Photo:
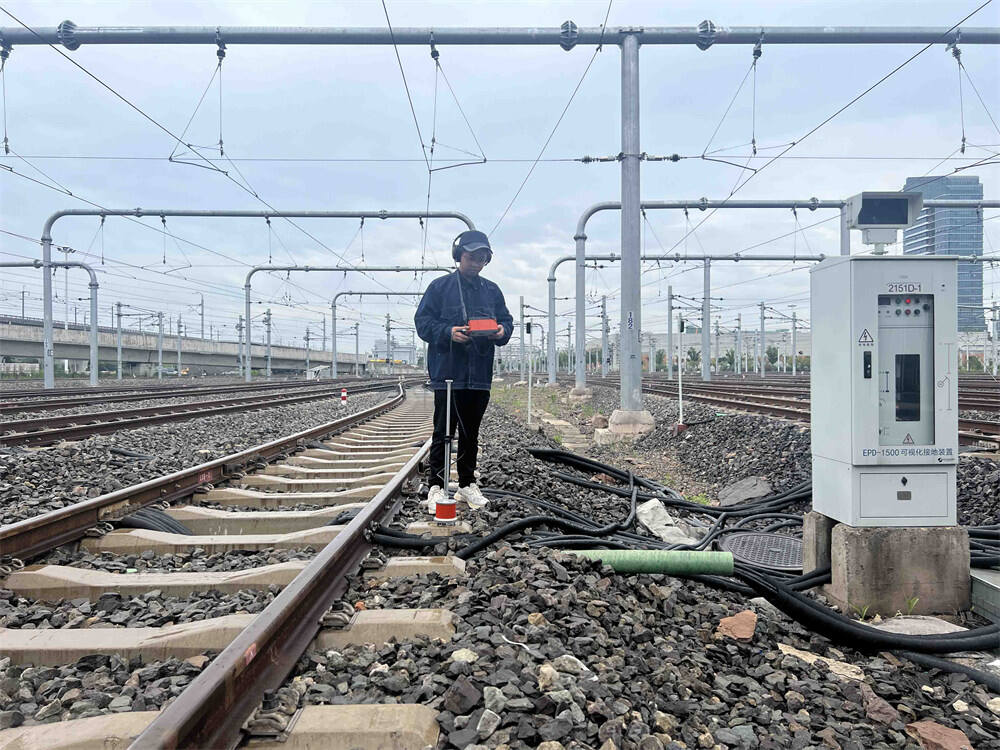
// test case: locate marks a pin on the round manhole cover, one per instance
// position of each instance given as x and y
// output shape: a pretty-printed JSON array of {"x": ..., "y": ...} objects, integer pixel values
[{"x": 765, "y": 550}]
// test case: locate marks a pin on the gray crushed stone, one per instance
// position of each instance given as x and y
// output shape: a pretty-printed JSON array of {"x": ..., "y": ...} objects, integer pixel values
[{"x": 37, "y": 481}]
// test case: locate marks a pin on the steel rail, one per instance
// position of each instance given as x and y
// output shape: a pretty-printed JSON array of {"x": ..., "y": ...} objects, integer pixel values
[
  {"x": 970, "y": 431},
  {"x": 968, "y": 398},
  {"x": 124, "y": 420},
  {"x": 53, "y": 404},
  {"x": 26, "y": 396},
  {"x": 34, "y": 536},
  {"x": 20, "y": 431},
  {"x": 211, "y": 710}
]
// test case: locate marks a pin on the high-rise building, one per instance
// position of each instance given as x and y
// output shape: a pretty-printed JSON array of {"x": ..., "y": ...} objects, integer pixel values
[{"x": 952, "y": 231}]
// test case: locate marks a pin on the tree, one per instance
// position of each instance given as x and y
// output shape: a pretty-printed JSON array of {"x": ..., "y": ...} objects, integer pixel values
[
  {"x": 661, "y": 359},
  {"x": 694, "y": 356},
  {"x": 772, "y": 355},
  {"x": 728, "y": 360}
]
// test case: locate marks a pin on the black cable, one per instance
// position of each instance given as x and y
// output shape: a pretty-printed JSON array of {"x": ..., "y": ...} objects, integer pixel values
[
  {"x": 525, "y": 523},
  {"x": 820, "y": 619},
  {"x": 130, "y": 454},
  {"x": 387, "y": 540},
  {"x": 988, "y": 679}
]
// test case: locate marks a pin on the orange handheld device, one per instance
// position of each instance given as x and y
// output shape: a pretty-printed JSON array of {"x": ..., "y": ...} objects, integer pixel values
[{"x": 482, "y": 327}]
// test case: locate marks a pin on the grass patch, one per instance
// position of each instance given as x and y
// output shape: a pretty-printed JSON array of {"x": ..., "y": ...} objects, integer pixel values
[{"x": 701, "y": 498}]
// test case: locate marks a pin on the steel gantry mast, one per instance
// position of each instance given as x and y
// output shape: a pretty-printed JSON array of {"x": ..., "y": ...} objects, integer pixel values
[
  {"x": 568, "y": 36},
  {"x": 333, "y": 315},
  {"x": 47, "y": 335},
  {"x": 211, "y": 707},
  {"x": 702, "y": 204}
]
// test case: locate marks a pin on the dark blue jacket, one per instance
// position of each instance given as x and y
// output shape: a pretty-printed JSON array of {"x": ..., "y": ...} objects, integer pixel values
[{"x": 469, "y": 365}]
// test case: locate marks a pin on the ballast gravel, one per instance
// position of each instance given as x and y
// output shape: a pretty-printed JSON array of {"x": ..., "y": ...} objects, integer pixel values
[
  {"x": 553, "y": 649},
  {"x": 96, "y": 684},
  {"x": 720, "y": 448},
  {"x": 193, "y": 561},
  {"x": 209, "y": 399},
  {"x": 37, "y": 481},
  {"x": 149, "y": 610}
]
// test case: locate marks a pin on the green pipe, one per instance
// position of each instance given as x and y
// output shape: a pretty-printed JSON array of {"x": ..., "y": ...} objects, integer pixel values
[{"x": 672, "y": 562}]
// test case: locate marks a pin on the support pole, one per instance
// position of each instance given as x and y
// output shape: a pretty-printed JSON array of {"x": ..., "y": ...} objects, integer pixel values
[
  {"x": 738, "y": 364},
  {"x": 680, "y": 369},
  {"x": 531, "y": 347},
  {"x": 631, "y": 297},
  {"x": 522, "y": 370},
  {"x": 717, "y": 360},
  {"x": 706, "y": 323},
  {"x": 388, "y": 344},
  {"x": 308, "y": 363},
  {"x": 333, "y": 339},
  {"x": 670, "y": 332},
  {"x": 180, "y": 328},
  {"x": 357, "y": 352},
  {"x": 553, "y": 347},
  {"x": 996, "y": 334},
  {"x": 604, "y": 337},
  {"x": 201, "y": 313},
  {"x": 93, "y": 330},
  {"x": 118, "y": 341},
  {"x": 845, "y": 232},
  {"x": 795, "y": 351},
  {"x": 763, "y": 344},
  {"x": 247, "y": 354},
  {"x": 240, "y": 359},
  {"x": 48, "y": 346},
  {"x": 267, "y": 351},
  {"x": 569, "y": 348},
  {"x": 580, "y": 379},
  {"x": 159, "y": 347}
]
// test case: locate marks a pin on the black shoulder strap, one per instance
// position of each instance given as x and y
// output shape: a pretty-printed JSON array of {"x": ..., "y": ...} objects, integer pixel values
[{"x": 461, "y": 297}]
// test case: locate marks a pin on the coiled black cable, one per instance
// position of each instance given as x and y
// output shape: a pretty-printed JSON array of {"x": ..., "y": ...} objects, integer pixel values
[
  {"x": 990, "y": 680},
  {"x": 837, "y": 627},
  {"x": 552, "y": 521}
]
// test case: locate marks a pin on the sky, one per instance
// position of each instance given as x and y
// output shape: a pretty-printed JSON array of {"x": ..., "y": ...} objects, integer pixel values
[{"x": 331, "y": 128}]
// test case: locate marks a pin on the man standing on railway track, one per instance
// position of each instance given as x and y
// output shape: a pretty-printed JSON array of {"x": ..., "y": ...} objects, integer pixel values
[{"x": 462, "y": 317}]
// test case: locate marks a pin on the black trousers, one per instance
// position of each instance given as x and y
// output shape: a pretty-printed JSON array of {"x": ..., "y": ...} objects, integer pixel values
[{"x": 467, "y": 409}]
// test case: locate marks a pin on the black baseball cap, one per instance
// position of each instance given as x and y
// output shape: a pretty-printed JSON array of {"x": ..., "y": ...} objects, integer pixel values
[{"x": 469, "y": 242}]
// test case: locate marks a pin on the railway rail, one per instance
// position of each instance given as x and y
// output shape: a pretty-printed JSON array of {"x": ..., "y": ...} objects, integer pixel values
[
  {"x": 52, "y": 429},
  {"x": 384, "y": 445},
  {"x": 110, "y": 396},
  {"x": 772, "y": 402},
  {"x": 366, "y": 464}
]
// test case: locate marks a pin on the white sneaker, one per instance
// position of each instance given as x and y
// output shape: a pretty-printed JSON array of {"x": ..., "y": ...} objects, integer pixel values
[
  {"x": 433, "y": 496},
  {"x": 473, "y": 497}
]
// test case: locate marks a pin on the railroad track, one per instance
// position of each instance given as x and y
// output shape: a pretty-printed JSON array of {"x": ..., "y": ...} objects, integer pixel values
[
  {"x": 767, "y": 401},
  {"x": 110, "y": 396},
  {"x": 53, "y": 429},
  {"x": 969, "y": 397},
  {"x": 365, "y": 465}
]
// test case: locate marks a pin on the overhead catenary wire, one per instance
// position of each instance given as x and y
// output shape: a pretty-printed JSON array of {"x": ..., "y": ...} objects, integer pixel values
[
  {"x": 740, "y": 185},
  {"x": 545, "y": 145},
  {"x": 246, "y": 188}
]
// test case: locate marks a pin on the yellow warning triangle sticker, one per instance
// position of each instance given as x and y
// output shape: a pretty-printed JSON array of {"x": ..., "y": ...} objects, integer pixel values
[
  {"x": 907, "y": 440},
  {"x": 865, "y": 338}
]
